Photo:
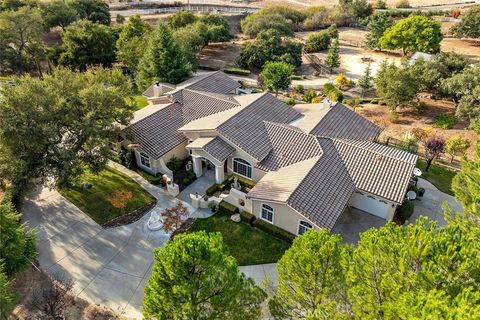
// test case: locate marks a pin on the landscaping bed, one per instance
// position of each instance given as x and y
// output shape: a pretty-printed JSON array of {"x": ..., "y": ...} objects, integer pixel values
[
  {"x": 96, "y": 201},
  {"x": 247, "y": 244},
  {"x": 441, "y": 177}
]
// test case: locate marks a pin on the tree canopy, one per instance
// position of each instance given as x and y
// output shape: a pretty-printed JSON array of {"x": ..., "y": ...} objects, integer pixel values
[
  {"x": 164, "y": 59},
  {"x": 7, "y": 298},
  {"x": 257, "y": 22},
  {"x": 194, "y": 277},
  {"x": 469, "y": 25},
  {"x": 58, "y": 13},
  {"x": 17, "y": 245},
  {"x": 332, "y": 60},
  {"x": 130, "y": 43},
  {"x": 86, "y": 43},
  {"x": 94, "y": 10},
  {"x": 415, "y": 33},
  {"x": 377, "y": 25},
  {"x": 54, "y": 129},
  {"x": 269, "y": 46},
  {"x": 277, "y": 75},
  {"x": 21, "y": 46},
  {"x": 403, "y": 272}
]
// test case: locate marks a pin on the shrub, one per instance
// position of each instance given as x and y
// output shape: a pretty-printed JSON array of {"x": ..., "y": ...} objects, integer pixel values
[
  {"x": 328, "y": 87},
  {"x": 299, "y": 89},
  {"x": 445, "y": 121},
  {"x": 247, "y": 217},
  {"x": 274, "y": 230},
  {"x": 402, "y": 4},
  {"x": 318, "y": 41},
  {"x": 212, "y": 189},
  {"x": 336, "y": 95},
  {"x": 406, "y": 209},
  {"x": 189, "y": 178},
  {"x": 290, "y": 101},
  {"x": 296, "y": 77},
  {"x": 227, "y": 208},
  {"x": 174, "y": 164},
  {"x": 309, "y": 95},
  {"x": 237, "y": 71}
]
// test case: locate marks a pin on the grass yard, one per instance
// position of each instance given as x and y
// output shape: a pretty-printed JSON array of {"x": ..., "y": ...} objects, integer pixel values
[
  {"x": 155, "y": 180},
  {"x": 139, "y": 101},
  {"x": 439, "y": 176},
  {"x": 247, "y": 244},
  {"x": 96, "y": 201}
]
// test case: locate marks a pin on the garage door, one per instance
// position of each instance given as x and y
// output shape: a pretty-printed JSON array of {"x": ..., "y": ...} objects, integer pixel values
[{"x": 370, "y": 204}]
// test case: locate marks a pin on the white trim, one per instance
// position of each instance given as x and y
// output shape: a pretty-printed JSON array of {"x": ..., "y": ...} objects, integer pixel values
[
  {"x": 241, "y": 175},
  {"x": 298, "y": 226},
  {"x": 143, "y": 155},
  {"x": 272, "y": 211}
]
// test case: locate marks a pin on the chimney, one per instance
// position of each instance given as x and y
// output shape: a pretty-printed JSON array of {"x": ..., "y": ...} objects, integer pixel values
[{"x": 157, "y": 89}]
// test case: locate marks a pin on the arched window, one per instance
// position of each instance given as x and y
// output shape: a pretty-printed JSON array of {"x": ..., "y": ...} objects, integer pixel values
[
  {"x": 267, "y": 213},
  {"x": 303, "y": 227},
  {"x": 144, "y": 160},
  {"x": 242, "y": 167}
]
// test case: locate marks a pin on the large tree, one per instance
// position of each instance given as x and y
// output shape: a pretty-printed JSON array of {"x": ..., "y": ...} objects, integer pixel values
[
  {"x": 130, "y": 43},
  {"x": 396, "y": 85},
  {"x": 332, "y": 60},
  {"x": 94, "y": 10},
  {"x": 269, "y": 46},
  {"x": 377, "y": 24},
  {"x": 164, "y": 59},
  {"x": 311, "y": 281},
  {"x": 21, "y": 46},
  {"x": 58, "y": 13},
  {"x": 53, "y": 129},
  {"x": 415, "y": 33},
  {"x": 17, "y": 245},
  {"x": 277, "y": 75},
  {"x": 194, "y": 277},
  {"x": 86, "y": 43},
  {"x": 469, "y": 25}
]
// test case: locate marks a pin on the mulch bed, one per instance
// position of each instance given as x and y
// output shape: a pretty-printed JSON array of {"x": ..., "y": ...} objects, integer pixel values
[{"x": 130, "y": 217}]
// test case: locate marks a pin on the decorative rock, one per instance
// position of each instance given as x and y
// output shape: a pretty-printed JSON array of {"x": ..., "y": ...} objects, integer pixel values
[
  {"x": 235, "y": 217},
  {"x": 86, "y": 185}
]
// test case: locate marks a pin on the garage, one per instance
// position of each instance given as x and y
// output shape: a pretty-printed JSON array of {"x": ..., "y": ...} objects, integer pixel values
[{"x": 370, "y": 204}]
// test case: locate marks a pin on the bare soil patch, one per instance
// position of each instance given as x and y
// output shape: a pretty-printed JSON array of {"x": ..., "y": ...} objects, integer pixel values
[
  {"x": 468, "y": 47},
  {"x": 220, "y": 55},
  {"x": 31, "y": 280},
  {"x": 410, "y": 119}
]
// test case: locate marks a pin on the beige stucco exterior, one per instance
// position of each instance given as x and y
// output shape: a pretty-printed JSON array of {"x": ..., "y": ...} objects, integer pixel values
[
  {"x": 284, "y": 216},
  {"x": 160, "y": 165}
]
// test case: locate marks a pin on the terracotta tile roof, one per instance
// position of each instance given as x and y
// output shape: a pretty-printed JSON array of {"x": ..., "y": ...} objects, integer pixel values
[
  {"x": 289, "y": 145},
  {"x": 377, "y": 169},
  {"x": 157, "y": 133},
  {"x": 342, "y": 123},
  {"x": 246, "y": 129},
  {"x": 219, "y": 149}
]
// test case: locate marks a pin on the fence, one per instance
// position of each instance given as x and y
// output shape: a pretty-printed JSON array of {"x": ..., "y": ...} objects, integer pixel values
[
  {"x": 316, "y": 63},
  {"x": 132, "y": 8},
  {"x": 444, "y": 160}
]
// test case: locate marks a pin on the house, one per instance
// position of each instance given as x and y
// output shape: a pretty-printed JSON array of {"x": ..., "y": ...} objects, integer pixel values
[{"x": 309, "y": 163}]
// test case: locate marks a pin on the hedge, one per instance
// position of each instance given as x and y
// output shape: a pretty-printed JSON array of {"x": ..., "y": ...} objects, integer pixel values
[
  {"x": 274, "y": 230},
  {"x": 406, "y": 209},
  {"x": 247, "y": 217},
  {"x": 212, "y": 189},
  {"x": 227, "y": 208},
  {"x": 225, "y": 185},
  {"x": 239, "y": 71}
]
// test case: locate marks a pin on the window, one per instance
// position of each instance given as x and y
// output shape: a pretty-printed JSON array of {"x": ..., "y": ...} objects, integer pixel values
[
  {"x": 145, "y": 160},
  {"x": 303, "y": 227},
  {"x": 267, "y": 213},
  {"x": 242, "y": 167}
]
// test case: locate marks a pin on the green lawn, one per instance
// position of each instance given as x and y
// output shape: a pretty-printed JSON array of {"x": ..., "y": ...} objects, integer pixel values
[
  {"x": 139, "y": 101},
  {"x": 247, "y": 244},
  {"x": 155, "y": 180},
  {"x": 96, "y": 201},
  {"x": 439, "y": 176}
]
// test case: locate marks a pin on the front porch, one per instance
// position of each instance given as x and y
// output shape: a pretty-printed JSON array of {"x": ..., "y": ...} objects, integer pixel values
[{"x": 198, "y": 186}]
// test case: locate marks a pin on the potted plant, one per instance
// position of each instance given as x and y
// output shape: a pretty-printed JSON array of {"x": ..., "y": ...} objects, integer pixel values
[{"x": 212, "y": 206}]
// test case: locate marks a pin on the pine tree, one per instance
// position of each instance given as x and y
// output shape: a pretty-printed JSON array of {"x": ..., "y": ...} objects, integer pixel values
[
  {"x": 7, "y": 299},
  {"x": 333, "y": 58},
  {"x": 164, "y": 59},
  {"x": 366, "y": 81}
]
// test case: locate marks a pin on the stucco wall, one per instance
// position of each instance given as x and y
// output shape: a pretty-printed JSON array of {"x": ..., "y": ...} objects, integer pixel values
[
  {"x": 284, "y": 216},
  {"x": 256, "y": 173},
  {"x": 193, "y": 135},
  {"x": 160, "y": 165}
]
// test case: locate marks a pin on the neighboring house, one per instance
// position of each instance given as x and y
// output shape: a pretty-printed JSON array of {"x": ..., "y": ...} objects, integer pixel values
[{"x": 310, "y": 162}]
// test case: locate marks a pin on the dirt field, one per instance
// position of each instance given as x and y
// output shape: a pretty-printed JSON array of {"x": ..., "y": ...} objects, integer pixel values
[
  {"x": 410, "y": 119},
  {"x": 31, "y": 280},
  {"x": 390, "y": 3}
]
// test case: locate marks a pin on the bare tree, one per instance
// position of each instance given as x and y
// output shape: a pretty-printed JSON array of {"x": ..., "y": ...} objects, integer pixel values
[{"x": 54, "y": 297}]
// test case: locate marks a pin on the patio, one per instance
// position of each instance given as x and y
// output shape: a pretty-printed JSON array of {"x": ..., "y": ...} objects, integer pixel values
[{"x": 198, "y": 186}]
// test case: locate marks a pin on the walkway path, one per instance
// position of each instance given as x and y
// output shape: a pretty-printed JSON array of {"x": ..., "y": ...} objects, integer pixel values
[{"x": 109, "y": 266}]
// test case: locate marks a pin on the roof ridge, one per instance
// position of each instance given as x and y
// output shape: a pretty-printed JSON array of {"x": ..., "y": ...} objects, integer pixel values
[
  {"x": 202, "y": 78},
  {"x": 354, "y": 143},
  {"x": 295, "y": 129},
  {"x": 207, "y": 94}
]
